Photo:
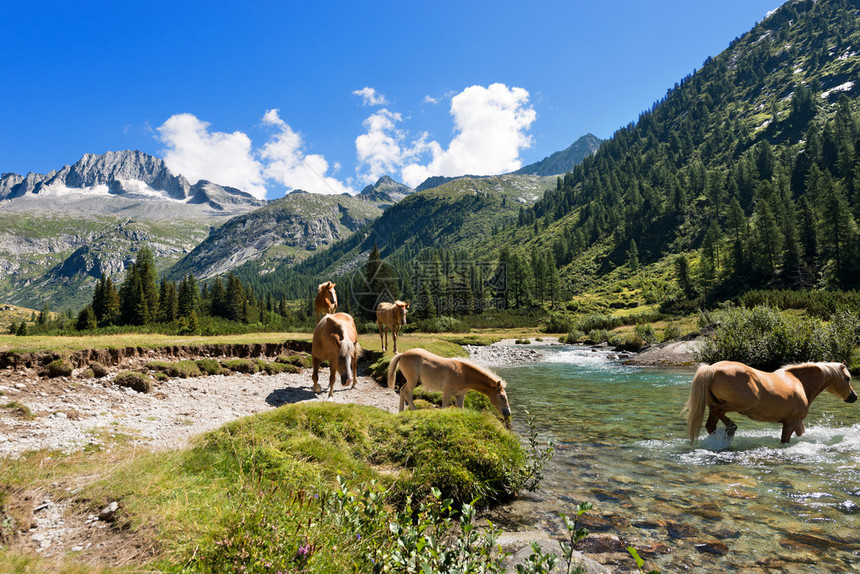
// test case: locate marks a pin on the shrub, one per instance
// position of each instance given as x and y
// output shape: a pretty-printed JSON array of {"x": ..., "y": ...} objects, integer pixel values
[
  {"x": 138, "y": 381},
  {"x": 575, "y": 336},
  {"x": 671, "y": 331},
  {"x": 645, "y": 332},
  {"x": 443, "y": 324},
  {"x": 596, "y": 336},
  {"x": 597, "y": 321},
  {"x": 58, "y": 368},
  {"x": 764, "y": 338},
  {"x": 558, "y": 323}
]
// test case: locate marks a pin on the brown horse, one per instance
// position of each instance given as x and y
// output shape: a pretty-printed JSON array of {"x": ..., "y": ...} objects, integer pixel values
[
  {"x": 779, "y": 397},
  {"x": 390, "y": 316},
  {"x": 326, "y": 300},
  {"x": 336, "y": 341},
  {"x": 453, "y": 377}
]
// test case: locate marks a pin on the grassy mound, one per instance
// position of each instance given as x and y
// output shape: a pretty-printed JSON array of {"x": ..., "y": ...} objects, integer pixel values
[{"x": 277, "y": 488}]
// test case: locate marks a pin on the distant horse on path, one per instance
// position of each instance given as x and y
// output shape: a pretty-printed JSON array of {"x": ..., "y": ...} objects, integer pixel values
[
  {"x": 390, "y": 316},
  {"x": 453, "y": 377},
  {"x": 783, "y": 396},
  {"x": 336, "y": 341},
  {"x": 326, "y": 300}
]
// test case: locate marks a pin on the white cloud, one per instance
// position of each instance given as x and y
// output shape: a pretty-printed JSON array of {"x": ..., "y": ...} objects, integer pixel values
[
  {"x": 287, "y": 164},
  {"x": 490, "y": 125},
  {"x": 370, "y": 97},
  {"x": 230, "y": 159},
  {"x": 379, "y": 150},
  {"x": 195, "y": 152}
]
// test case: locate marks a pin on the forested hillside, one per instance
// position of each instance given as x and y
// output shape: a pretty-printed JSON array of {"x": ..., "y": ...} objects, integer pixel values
[{"x": 748, "y": 171}]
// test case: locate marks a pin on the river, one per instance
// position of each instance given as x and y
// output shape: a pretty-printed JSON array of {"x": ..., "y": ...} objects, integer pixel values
[{"x": 749, "y": 504}]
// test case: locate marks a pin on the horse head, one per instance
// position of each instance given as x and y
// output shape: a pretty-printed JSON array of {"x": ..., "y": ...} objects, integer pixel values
[
  {"x": 499, "y": 398},
  {"x": 345, "y": 352},
  {"x": 841, "y": 385},
  {"x": 401, "y": 311}
]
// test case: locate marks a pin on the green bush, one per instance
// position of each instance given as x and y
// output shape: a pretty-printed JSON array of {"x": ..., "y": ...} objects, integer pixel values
[
  {"x": 764, "y": 338},
  {"x": 443, "y": 324},
  {"x": 138, "y": 381},
  {"x": 671, "y": 331},
  {"x": 58, "y": 368},
  {"x": 558, "y": 323},
  {"x": 597, "y": 322},
  {"x": 574, "y": 336},
  {"x": 645, "y": 332},
  {"x": 596, "y": 336}
]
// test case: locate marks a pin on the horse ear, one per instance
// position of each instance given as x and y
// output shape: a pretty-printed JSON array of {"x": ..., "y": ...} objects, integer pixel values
[
  {"x": 407, "y": 305},
  {"x": 333, "y": 285}
]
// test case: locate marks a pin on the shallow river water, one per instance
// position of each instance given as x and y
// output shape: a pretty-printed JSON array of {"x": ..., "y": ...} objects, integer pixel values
[{"x": 746, "y": 505}]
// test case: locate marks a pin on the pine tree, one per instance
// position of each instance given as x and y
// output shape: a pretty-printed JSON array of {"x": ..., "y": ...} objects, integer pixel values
[{"x": 86, "y": 319}]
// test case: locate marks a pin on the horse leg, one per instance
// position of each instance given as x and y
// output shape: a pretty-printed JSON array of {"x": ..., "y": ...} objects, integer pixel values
[
  {"x": 406, "y": 394},
  {"x": 394, "y": 338},
  {"x": 789, "y": 427},
  {"x": 381, "y": 342},
  {"x": 315, "y": 376},
  {"x": 460, "y": 400},
  {"x": 711, "y": 423},
  {"x": 446, "y": 398},
  {"x": 354, "y": 369},
  {"x": 331, "y": 378},
  {"x": 730, "y": 426}
]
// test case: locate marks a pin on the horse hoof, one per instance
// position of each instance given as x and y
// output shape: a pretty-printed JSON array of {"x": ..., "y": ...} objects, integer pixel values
[{"x": 730, "y": 431}]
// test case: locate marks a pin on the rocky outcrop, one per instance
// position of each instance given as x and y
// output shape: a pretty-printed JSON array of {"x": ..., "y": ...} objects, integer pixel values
[{"x": 129, "y": 173}]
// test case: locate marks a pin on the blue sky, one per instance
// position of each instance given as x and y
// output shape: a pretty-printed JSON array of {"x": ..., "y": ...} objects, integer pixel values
[{"x": 328, "y": 96}]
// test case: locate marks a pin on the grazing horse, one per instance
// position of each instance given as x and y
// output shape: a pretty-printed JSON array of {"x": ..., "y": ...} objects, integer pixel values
[
  {"x": 326, "y": 300},
  {"x": 336, "y": 341},
  {"x": 390, "y": 316},
  {"x": 453, "y": 377},
  {"x": 779, "y": 397}
]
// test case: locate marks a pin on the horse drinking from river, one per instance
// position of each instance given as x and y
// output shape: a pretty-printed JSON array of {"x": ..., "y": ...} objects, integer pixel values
[
  {"x": 453, "y": 377},
  {"x": 390, "y": 316},
  {"x": 326, "y": 299},
  {"x": 779, "y": 397},
  {"x": 336, "y": 341}
]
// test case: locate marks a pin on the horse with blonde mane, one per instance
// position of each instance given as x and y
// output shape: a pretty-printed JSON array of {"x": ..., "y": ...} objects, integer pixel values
[
  {"x": 453, "y": 377},
  {"x": 336, "y": 341},
  {"x": 390, "y": 316},
  {"x": 326, "y": 299},
  {"x": 783, "y": 396}
]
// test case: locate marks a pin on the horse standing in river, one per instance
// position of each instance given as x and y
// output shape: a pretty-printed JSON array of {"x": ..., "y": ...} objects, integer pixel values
[
  {"x": 779, "y": 397},
  {"x": 326, "y": 299},
  {"x": 336, "y": 341},
  {"x": 453, "y": 377},
  {"x": 390, "y": 316}
]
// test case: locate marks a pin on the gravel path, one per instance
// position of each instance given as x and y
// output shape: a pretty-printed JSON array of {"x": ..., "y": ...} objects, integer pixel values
[{"x": 72, "y": 413}]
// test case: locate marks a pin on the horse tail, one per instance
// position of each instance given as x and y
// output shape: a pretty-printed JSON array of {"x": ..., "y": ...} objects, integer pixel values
[
  {"x": 392, "y": 370},
  {"x": 695, "y": 407}
]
